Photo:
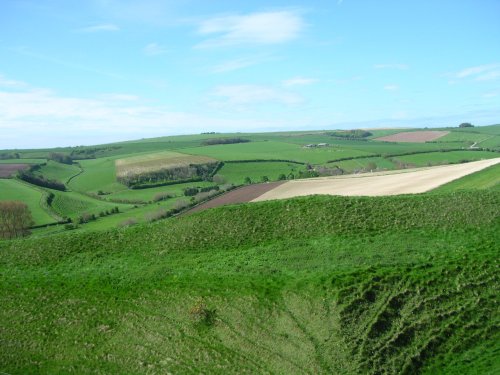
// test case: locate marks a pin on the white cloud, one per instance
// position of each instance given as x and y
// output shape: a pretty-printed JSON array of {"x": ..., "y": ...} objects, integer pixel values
[
  {"x": 120, "y": 97},
  {"x": 489, "y": 76},
  {"x": 10, "y": 83},
  {"x": 33, "y": 117},
  {"x": 255, "y": 28},
  {"x": 491, "y": 94},
  {"x": 391, "y": 87},
  {"x": 299, "y": 81},
  {"x": 485, "y": 72},
  {"x": 254, "y": 94},
  {"x": 392, "y": 66},
  {"x": 154, "y": 49},
  {"x": 99, "y": 28},
  {"x": 236, "y": 64}
]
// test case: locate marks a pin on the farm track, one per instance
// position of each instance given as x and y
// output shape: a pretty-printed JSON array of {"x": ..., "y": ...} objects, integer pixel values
[{"x": 406, "y": 182}]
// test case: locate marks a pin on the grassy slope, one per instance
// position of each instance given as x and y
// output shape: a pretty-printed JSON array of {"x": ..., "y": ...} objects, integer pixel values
[
  {"x": 488, "y": 178},
  {"x": 434, "y": 158},
  {"x": 72, "y": 204},
  {"x": 99, "y": 174},
  {"x": 58, "y": 171},
  {"x": 11, "y": 189},
  {"x": 310, "y": 285}
]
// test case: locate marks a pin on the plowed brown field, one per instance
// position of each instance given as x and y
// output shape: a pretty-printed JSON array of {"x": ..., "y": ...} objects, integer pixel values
[
  {"x": 241, "y": 195},
  {"x": 7, "y": 170},
  {"x": 415, "y": 137}
]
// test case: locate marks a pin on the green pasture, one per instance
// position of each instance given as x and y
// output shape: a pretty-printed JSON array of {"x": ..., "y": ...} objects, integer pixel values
[
  {"x": 272, "y": 150},
  {"x": 147, "y": 195},
  {"x": 436, "y": 158},
  {"x": 73, "y": 204},
  {"x": 22, "y": 161},
  {"x": 488, "y": 178},
  {"x": 15, "y": 190},
  {"x": 236, "y": 172},
  {"x": 58, "y": 171},
  {"x": 463, "y": 137},
  {"x": 493, "y": 142},
  {"x": 489, "y": 129},
  {"x": 323, "y": 285},
  {"x": 98, "y": 174}
]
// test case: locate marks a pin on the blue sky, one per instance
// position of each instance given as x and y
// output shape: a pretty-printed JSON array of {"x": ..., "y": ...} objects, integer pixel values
[{"x": 96, "y": 71}]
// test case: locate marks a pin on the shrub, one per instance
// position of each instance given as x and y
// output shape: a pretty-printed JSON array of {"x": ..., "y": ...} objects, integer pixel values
[
  {"x": 60, "y": 158},
  {"x": 162, "y": 196},
  {"x": 218, "y": 179},
  {"x": 350, "y": 134},
  {"x": 15, "y": 219},
  {"x": 40, "y": 181},
  {"x": 181, "y": 204},
  {"x": 127, "y": 223},
  {"x": 201, "y": 314},
  {"x": 223, "y": 141},
  {"x": 157, "y": 215},
  {"x": 190, "y": 191}
]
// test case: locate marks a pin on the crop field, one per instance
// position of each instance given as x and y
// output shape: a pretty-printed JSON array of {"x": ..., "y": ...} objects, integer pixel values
[
  {"x": 414, "y": 136},
  {"x": 8, "y": 170},
  {"x": 15, "y": 190},
  {"x": 310, "y": 285},
  {"x": 153, "y": 162},
  {"x": 407, "y": 182},
  {"x": 436, "y": 158}
]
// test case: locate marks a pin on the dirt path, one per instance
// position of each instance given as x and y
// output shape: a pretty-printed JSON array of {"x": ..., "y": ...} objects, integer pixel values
[{"x": 375, "y": 184}]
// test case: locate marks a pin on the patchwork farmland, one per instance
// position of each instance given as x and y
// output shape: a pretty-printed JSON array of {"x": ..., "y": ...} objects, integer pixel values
[{"x": 160, "y": 254}]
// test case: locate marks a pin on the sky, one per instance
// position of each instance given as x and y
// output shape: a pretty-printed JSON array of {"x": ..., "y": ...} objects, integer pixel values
[{"x": 97, "y": 71}]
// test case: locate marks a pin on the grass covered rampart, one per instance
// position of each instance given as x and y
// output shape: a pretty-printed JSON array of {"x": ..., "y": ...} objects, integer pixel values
[{"x": 404, "y": 284}]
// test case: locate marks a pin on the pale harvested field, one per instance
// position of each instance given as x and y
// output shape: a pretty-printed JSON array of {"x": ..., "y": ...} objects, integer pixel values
[
  {"x": 375, "y": 184},
  {"x": 415, "y": 137},
  {"x": 157, "y": 161}
]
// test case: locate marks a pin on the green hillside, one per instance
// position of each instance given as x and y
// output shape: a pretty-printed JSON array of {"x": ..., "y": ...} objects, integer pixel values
[
  {"x": 34, "y": 197},
  {"x": 392, "y": 285}
]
